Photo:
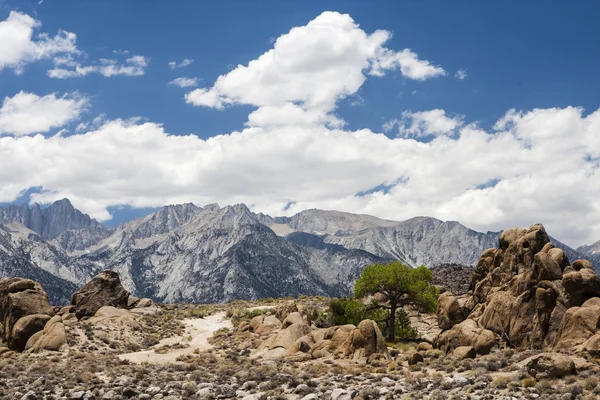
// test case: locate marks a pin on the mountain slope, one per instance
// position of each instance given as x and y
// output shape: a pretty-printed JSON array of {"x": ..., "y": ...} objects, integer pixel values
[
  {"x": 15, "y": 261},
  {"x": 222, "y": 254},
  {"x": 185, "y": 253}
]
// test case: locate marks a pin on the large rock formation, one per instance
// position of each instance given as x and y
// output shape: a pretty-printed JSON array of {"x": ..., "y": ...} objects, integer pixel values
[
  {"x": 296, "y": 339},
  {"x": 104, "y": 289},
  {"x": 519, "y": 294},
  {"x": 24, "y": 311}
]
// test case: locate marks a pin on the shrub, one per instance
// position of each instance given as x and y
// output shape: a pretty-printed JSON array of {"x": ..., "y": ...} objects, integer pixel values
[{"x": 349, "y": 311}]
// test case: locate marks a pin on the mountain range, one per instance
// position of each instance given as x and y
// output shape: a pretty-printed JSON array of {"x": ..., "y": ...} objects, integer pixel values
[{"x": 185, "y": 253}]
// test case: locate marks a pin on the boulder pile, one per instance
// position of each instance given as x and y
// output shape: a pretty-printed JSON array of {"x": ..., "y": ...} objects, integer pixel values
[
  {"x": 294, "y": 338},
  {"x": 525, "y": 294},
  {"x": 27, "y": 319},
  {"x": 29, "y": 323}
]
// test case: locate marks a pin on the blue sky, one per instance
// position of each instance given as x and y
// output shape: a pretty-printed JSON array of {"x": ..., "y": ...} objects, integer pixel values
[
  {"x": 514, "y": 55},
  {"x": 517, "y": 54}
]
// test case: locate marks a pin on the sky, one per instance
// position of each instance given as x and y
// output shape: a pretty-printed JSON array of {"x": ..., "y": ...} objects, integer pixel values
[{"x": 481, "y": 112}]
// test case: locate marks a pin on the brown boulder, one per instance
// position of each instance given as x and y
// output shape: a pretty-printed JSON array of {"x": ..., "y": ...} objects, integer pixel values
[
  {"x": 338, "y": 334},
  {"x": 104, "y": 289},
  {"x": 424, "y": 346},
  {"x": 362, "y": 342},
  {"x": 292, "y": 318},
  {"x": 302, "y": 345},
  {"x": 287, "y": 337},
  {"x": 464, "y": 352},
  {"x": 415, "y": 358},
  {"x": 467, "y": 333},
  {"x": 256, "y": 322},
  {"x": 578, "y": 325},
  {"x": 592, "y": 345},
  {"x": 450, "y": 311},
  {"x": 24, "y": 328},
  {"x": 22, "y": 299},
  {"x": 373, "y": 339},
  {"x": 551, "y": 365},
  {"x": 52, "y": 338},
  {"x": 144, "y": 303},
  {"x": 581, "y": 284},
  {"x": 546, "y": 268},
  {"x": 559, "y": 256}
]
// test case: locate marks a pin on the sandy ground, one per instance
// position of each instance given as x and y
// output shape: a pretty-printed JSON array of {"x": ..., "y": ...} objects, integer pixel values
[
  {"x": 199, "y": 329},
  {"x": 262, "y": 308}
]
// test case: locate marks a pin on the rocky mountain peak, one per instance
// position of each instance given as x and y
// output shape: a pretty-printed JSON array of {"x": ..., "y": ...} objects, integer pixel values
[
  {"x": 592, "y": 249},
  {"x": 334, "y": 222},
  {"x": 52, "y": 221}
]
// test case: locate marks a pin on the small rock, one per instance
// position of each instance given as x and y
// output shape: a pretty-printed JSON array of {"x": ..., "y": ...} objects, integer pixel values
[
  {"x": 29, "y": 396},
  {"x": 302, "y": 389},
  {"x": 249, "y": 385},
  {"x": 129, "y": 392},
  {"x": 153, "y": 390},
  {"x": 111, "y": 394},
  {"x": 77, "y": 395},
  {"x": 415, "y": 358},
  {"x": 340, "y": 394}
]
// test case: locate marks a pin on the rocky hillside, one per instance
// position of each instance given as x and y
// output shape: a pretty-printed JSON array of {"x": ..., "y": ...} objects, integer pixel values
[
  {"x": 185, "y": 253},
  {"x": 455, "y": 278},
  {"x": 16, "y": 261}
]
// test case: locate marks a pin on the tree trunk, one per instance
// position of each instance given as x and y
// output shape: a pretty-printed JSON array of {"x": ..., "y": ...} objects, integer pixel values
[{"x": 392, "y": 324}]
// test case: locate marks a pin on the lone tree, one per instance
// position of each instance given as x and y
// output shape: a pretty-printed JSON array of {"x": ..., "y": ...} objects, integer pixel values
[{"x": 401, "y": 285}]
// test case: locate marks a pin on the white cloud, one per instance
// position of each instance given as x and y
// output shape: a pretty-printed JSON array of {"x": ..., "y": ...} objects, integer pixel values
[
  {"x": 461, "y": 74},
  {"x": 424, "y": 123},
  {"x": 312, "y": 67},
  {"x": 19, "y": 46},
  {"x": 540, "y": 165},
  {"x": 133, "y": 66},
  {"x": 409, "y": 64},
  {"x": 186, "y": 61},
  {"x": 545, "y": 163},
  {"x": 184, "y": 82},
  {"x": 27, "y": 113}
]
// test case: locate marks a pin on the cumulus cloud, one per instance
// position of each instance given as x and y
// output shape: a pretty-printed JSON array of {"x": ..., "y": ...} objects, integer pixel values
[
  {"x": 19, "y": 46},
  {"x": 312, "y": 67},
  {"x": 424, "y": 123},
  {"x": 174, "y": 65},
  {"x": 536, "y": 166},
  {"x": 461, "y": 74},
  {"x": 184, "y": 82},
  {"x": 27, "y": 113},
  {"x": 133, "y": 66}
]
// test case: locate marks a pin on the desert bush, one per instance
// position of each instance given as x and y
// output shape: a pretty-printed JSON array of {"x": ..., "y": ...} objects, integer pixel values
[{"x": 350, "y": 311}]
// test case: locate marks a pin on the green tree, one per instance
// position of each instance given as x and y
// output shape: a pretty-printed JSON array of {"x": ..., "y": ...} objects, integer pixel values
[{"x": 401, "y": 285}]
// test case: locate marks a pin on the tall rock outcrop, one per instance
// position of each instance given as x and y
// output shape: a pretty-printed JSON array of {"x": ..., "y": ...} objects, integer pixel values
[
  {"x": 519, "y": 294},
  {"x": 104, "y": 289},
  {"x": 24, "y": 311}
]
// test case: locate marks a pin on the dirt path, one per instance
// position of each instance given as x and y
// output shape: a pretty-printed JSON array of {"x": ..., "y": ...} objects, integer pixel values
[{"x": 199, "y": 329}]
